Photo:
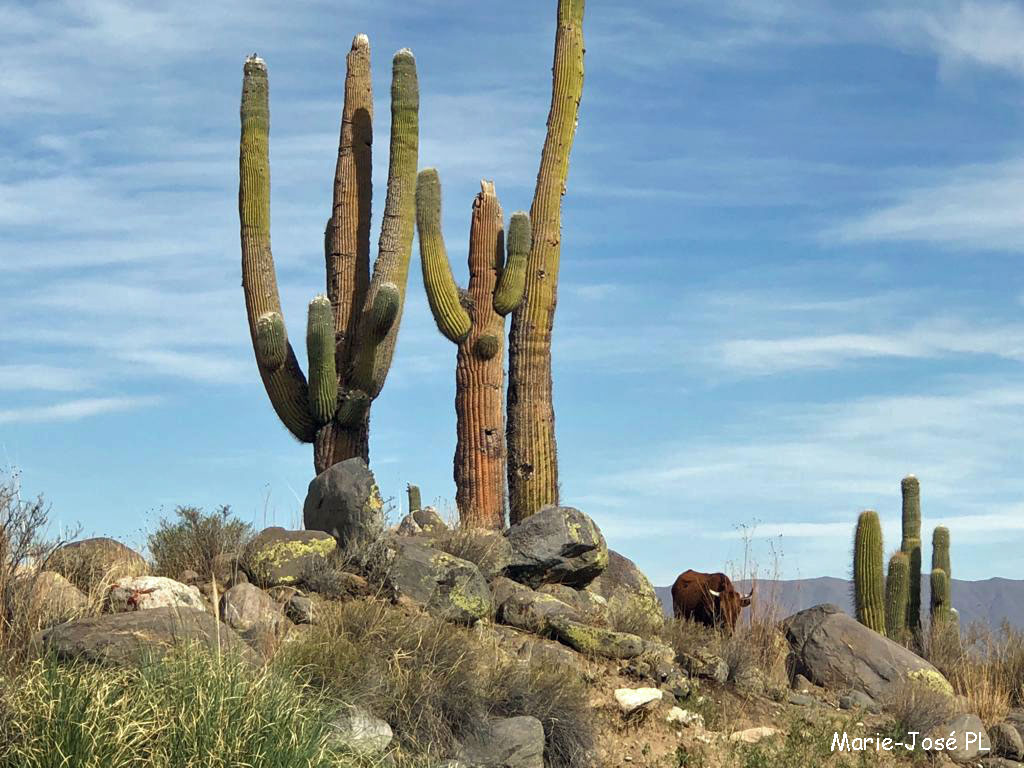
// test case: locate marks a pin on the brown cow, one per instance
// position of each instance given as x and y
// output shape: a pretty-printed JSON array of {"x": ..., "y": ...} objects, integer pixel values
[{"x": 709, "y": 598}]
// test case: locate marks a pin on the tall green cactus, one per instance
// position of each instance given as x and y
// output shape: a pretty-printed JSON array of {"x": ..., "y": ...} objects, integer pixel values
[
  {"x": 940, "y": 550},
  {"x": 532, "y": 454},
  {"x": 352, "y": 330},
  {"x": 941, "y": 603},
  {"x": 910, "y": 489},
  {"x": 475, "y": 321},
  {"x": 897, "y": 591},
  {"x": 414, "y": 497},
  {"x": 868, "y": 577}
]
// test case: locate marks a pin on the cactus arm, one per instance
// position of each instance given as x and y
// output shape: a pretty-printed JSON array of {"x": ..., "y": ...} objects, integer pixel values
[
  {"x": 940, "y": 602},
  {"x": 395, "y": 247},
  {"x": 509, "y": 293},
  {"x": 896, "y": 593},
  {"x": 533, "y": 458},
  {"x": 868, "y": 584},
  {"x": 910, "y": 490},
  {"x": 442, "y": 292},
  {"x": 281, "y": 374},
  {"x": 940, "y": 550},
  {"x": 323, "y": 378},
  {"x": 347, "y": 237}
]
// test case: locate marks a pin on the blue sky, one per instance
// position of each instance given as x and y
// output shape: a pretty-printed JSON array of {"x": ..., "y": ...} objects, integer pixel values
[{"x": 791, "y": 267}]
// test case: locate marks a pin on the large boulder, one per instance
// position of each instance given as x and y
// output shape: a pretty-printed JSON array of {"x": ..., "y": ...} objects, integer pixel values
[
  {"x": 595, "y": 641},
  {"x": 47, "y": 598},
  {"x": 90, "y": 564},
  {"x": 591, "y": 607},
  {"x": 445, "y": 586},
  {"x": 508, "y": 742},
  {"x": 244, "y": 607},
  {"x": 126, "y": 638},
  {"x": 345, "y": 502},
  {"x": 280, "y": 557},
  {"x": 557, "y": 545},
  {"x": 836, "y": 651},
  {"x": 964, "y": 739},
  {"x": 530, "y": 611},
  {"x": 629, "y": 592},
  {"x": 143, "y": 593}
]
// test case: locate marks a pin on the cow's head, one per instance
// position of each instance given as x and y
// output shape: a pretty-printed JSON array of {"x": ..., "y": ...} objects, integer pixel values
[{"x": 727, "y": 605}]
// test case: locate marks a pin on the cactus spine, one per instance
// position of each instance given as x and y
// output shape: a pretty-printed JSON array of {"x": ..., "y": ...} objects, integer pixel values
[
  {"x": 868, "y": 579},
  {"x": 941, "y": 602},
  {"x": 897, "y": 590},
  {"x": 911, "y": 546},
  {"x": 532, "y": 459},
  {"x": 475, "y": 321},
  {"x": 352, "y": 331}
]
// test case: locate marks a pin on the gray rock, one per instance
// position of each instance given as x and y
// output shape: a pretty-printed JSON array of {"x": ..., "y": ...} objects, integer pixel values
[
  {"x": 802, "y": 684},
  {"x": 445, "y": 586},
  {"x": 547, "y": 653},
  {"x": 299, "y": 609},
  {"x": 279, "y": 557},
  {"x": 835, "y": 651},
  {"x": 556, "y": 545},
  {"x": 49, "y": 598},
  {"x": 596, "y": 641},
  {"x": 1015, "y": 717},
  {"x": 999, "y": 762},
  {"x": 127, "y": 638},
  {"x": 530, "y": 611},
  {"x": 801, "y": 699},
  {"x": 502, "y": 588},
  {"x": 141, "y": 593},
  {"x": 627, "y": 590},
  {"x": 92, "y": 563},
  {"x": 701, "y": 662},
  {"x": 510, "y": 742},
  {"x": 590, "y": 607},
  {"x": 361, "y": 732},
  {"x": 428, "y": 521},
  {"x": 859, "y": 700},
  {"x": 244, "y": 606},
  {"x": 1006, "y": 741},
  {"x": 344, "y": 501},
  {"x": 971, "y": 740},
  {"x": 749, "y": 680}
]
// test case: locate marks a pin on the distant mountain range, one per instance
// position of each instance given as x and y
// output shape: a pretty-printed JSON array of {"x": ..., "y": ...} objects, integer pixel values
[{"x": 991, "y": 601}]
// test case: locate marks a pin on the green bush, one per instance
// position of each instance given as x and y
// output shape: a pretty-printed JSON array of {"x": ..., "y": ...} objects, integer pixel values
[
  {"x": 185, "y": 710},
  {"x": 195, "y": 540}
]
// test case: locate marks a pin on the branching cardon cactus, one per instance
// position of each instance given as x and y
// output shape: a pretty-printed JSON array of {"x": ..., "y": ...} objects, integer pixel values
[
  {"x": 868, "y": 579},
  {"x": 352, "y": 330},
  {"x": 475, "y": 321},
  {"x": 911, "y": 545},
  {"x": 532, "y": 460}
]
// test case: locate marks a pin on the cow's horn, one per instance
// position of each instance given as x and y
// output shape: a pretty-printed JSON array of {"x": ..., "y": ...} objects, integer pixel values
[
  {"x": 750, "y": 594},
  {"x": 714, "y": 594}
]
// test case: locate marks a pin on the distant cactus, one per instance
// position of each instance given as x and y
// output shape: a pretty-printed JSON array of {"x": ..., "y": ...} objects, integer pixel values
[
  {"x": 414, "y": 498},
  {"x": 897, "y": 589},
  {"x": 940, "y": 550},
  {"x": 868, "y": 579},
  {"x": 911, "y": 545},
  {"x": 475, "y": 321},
  {"x": 941, "y": 603},
  {"x": 352, "y": 330}
]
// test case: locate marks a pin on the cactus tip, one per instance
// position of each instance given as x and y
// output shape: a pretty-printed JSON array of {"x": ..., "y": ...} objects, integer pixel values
[
  {"x": 254, "y": 60},
  {"x": 360, "y": 41},
  {"x": 404, "y": 53},
  {"x": 486, "y": 187}
]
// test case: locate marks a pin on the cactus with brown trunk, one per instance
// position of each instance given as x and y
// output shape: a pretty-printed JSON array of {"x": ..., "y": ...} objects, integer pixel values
[
  {"x": 352, "y": 331},
  {"x": 868, "y": 578},
  {"x": 532, "y": 454},
  {"x": 475, "y": 321}
]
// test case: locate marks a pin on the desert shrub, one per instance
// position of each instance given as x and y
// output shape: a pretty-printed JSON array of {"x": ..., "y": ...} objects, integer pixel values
[
  {"x": 759, "y": 644},
  {"x": 482, "y": 548},
  {"x": 985, "y": 667},
  {"x": 187, "y": 709},
  {"x": 196, "y": 539},
  {"x": 435, "y": 683},
  {"x": 626, "y": 614},
  {"x": 686, "y": 636},
  {"x": 23, "y": 546},
  {"x": 917, "y": 706},
  {"x": 555, "y": 695}
]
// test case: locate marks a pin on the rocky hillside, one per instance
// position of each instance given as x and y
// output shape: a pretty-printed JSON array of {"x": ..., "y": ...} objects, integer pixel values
[{"x": 991, "y": 601}]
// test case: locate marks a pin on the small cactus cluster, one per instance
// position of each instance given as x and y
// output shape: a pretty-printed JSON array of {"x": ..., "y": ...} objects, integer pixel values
[{"x": 892, "y": 606}]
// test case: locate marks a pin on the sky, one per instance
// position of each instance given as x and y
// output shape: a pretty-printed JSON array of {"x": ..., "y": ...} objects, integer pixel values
[{"x": 791, "y": 263}]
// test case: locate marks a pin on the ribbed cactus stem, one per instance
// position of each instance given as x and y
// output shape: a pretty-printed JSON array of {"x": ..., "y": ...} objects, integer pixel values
[
  {"x": 940, "y": 550},
  {"x": 941, "y": 601},
  {"x": 352, "y": 330},
  {"x": 911, "y": 545},
  {"x": 868, "y": 578},
  {"x": 533, "y": 457},
  {"x": 897, "y": 589},
  {"x": 414, "y": 497},
  {"x": 323, "y": 378},
  {"x": 442, "y": 292},
  {"x": 509, "y": 293}
]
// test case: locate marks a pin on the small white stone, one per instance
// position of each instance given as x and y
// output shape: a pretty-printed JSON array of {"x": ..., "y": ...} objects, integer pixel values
[
  {"x": 754, "y": 735},
  {"x": 685, "y": 717},
  {"x": 632, "y": 699}
]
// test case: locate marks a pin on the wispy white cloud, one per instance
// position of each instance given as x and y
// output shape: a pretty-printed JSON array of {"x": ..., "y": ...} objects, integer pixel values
[
  {"x": 31, "y": 377},
  {"x": 73, "y": 410}
]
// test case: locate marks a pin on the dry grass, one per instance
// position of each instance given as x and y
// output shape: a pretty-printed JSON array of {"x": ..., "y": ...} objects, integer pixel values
[
  {"x": 917, "y": 706},
  {"x": 628, "y": 615},
  {"x": 482, "y": 548}
]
